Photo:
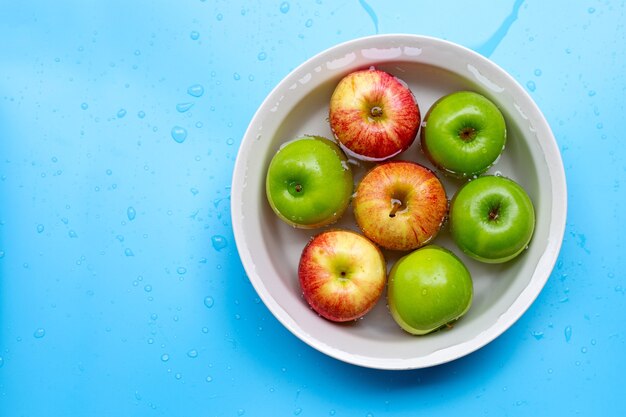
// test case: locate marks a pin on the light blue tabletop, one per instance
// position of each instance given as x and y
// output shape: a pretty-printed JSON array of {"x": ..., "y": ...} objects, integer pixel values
[{"x": 121, "y": 289}]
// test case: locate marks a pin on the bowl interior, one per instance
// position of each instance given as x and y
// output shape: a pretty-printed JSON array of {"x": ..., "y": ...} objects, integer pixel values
[{"x": 270, "y": 249}]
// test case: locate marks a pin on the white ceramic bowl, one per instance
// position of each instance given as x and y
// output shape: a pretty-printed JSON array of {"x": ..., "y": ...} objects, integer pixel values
[{"x": 270, "y": 249}]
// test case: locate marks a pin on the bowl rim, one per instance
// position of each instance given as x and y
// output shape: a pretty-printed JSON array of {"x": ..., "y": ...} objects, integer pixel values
[{"x": 524, "y": 300}]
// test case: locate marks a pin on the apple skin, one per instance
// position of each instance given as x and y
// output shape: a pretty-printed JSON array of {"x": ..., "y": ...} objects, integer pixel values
[
  {"x": 492, "y": 219},
  {"x": 373, "y": 115},
  {"x": 342, "y": 275},
  {"x": 428, "y": 288},
  {"x": 463, "y": 134},
  {"x": 309, "y": 182},
  {"x": 400, "y": 205}
]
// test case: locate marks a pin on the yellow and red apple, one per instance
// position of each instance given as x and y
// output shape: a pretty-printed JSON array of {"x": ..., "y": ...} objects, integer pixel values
[
  {"x": 373, "y": 115},
  {"x": 342, "y": 275},
  {"x": 400, "y": 205}
]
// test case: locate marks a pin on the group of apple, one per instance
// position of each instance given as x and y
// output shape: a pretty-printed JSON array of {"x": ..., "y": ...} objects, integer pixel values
[{"x": 399, "y": 205}]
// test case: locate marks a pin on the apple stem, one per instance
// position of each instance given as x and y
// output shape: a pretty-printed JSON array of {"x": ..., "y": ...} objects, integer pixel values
[
  {"x": 298, "y": 188},
  {"x": 467, "y": 134},
  {"x": 376, "y": 111},
  {"x": 395, "y": 206},
  {"x": 494, "y": 213}
]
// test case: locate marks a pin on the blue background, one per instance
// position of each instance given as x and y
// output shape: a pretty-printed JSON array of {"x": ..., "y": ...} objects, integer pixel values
[{"x": 121, "y": 291}]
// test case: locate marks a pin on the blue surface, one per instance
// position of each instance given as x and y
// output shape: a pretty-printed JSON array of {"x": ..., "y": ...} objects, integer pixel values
[{"x": 121, "y": 291}]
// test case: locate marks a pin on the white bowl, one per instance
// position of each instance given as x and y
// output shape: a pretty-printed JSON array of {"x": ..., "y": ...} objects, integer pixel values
[{"x": 270, "y": 249}]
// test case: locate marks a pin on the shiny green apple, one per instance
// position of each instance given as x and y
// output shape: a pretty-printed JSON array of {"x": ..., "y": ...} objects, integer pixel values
[
  {"x": 428, "y": 288},
  {"x": 463, "y": 134},
  {"x": 492, "y": 219},
  {"x": 309, "y": 182}
]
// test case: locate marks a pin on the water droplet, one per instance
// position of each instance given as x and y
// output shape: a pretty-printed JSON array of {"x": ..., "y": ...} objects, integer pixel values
[
  {"x": 72, "y": 234},
  {"x": 236, "y": 76},
  {"x": 195, "y": 90},
  {"x": 40, "y": 228},
  {"x": 183, "y": 107},
  {"x": 284, "y": 7},
  {"x": 194, "y": 191},
  {"x": 39, "y": 333},
  {"x": 209, "y": 379},
  {"x": 179, "y": 134},
  {"x": 262, "y": 56},
  {"x": 1, "y": 254},
  {"x": 241, "y": 412},
  {"x": 208, "y": 301},
  {"x": 219, "y": 17},
  {"x": 219, "y": 242},
  {"x": 1, "y": 361},
  {"x": 178, "y": 375},
  {"x": 192, "y": 353},
  {"x": 591, "y": 10},
  {"x": 131, "y": 213},
  {"x": 583, "y": 349},
  {"x": 121, "y": 113},
  {"x": 424, "y": 291},
  {"x": 591, "y": 93},
  {"x": 297, "y": 411},
  {"x": 195, "y": 35},
  {"x": 568, "y": 333},
  {"x": 165, "y": 357},
  {"x": 181, "y": 270},
  {"x": 531, "y": 86},
  {"x": 332, "y": 412},
  {"x": 205, "y": 330},
  {"x": 128, "y": 252},
  {"x": 537, "y": 335},
  {"x": 137, "y": 396},
  {"x": 84, "y": 106},
  {"x": 147, "y": 288},
  {"x": 538, "y": 72},
  {"x": 308, "y": 23}
]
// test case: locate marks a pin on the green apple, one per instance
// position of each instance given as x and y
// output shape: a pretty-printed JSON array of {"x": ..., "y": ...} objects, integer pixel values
[
  {"x": 428, "y": 288},
  {"x": 492, "y": 219},
  {"x": 309, "y": 182},
  {"x": 463, "y": 134}
]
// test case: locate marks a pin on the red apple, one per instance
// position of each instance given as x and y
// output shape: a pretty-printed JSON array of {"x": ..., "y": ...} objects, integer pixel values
[
  {"x": 342, "y": 275},
  {"x": 373, "y": 115},
  {"x": 400, "y": 205}
]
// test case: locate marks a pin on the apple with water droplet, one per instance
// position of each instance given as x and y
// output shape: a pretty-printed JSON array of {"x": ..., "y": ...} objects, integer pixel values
[
  {"x": 342, "y": 275},
  {"x": 428, "y": 289},
  {"x": 309, "y": 182},
  {"x": 373, "y": 115},
  {"x": 463, "y": 134},
  {"x": 400, "y": 205},
  {"x": 492, "y": 219}
]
